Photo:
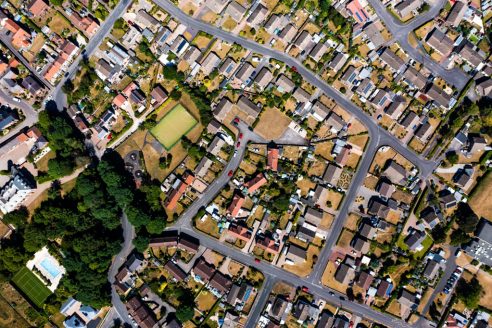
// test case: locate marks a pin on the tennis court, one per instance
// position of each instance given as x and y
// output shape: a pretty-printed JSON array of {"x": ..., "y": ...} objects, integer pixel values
[
  {"x": 175, "y": 124},
  {"x": 31, "y": 286}
]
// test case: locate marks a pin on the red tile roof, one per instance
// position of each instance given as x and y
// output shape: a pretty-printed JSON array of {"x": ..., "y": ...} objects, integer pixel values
[
  {"x": 255, "y": 183},
  {"x": 235, "y": 207}
]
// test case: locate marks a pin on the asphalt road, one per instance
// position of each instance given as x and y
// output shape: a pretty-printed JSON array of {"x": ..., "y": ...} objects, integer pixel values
[
  {"x": 375, "y": 131},
  {"x": 31, "y": 116},
  {"x": 401, "y": 31},
  {"x": 6, "y": 40},
  {"x": 105, "y": 28},
  {"x": 119, "y": 308}
]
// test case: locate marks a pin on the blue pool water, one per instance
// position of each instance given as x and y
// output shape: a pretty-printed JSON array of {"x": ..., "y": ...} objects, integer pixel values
[{"x": 50, "y": 267}]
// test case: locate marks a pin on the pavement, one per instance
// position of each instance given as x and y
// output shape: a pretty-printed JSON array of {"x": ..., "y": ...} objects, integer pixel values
[
  {"x": 105, "y": 28},
  {"x": 5, "y": 39},
  {"x": 401, "y": 31},
  {"x": 31, "y": 116}
]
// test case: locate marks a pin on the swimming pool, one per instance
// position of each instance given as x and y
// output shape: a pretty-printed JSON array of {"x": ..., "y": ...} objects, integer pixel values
[{"x": 50, "y": 267}]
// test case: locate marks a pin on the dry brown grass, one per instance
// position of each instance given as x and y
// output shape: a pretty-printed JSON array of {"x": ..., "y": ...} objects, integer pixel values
[
  {"x": 317, "y": 169},
  {"x": 305, "y": 185},
  {"x": 345, "y": 238},
  {"x": 205, "y": 301},
  {"x": 273, "y": 123},
  {"x": 479, "y": 201},
  {"x": 485, "y": 280},
  {"x": 235, "y": 268},
  {"x": 351, "y": 222},
  {"x": 334, "y": 198},
  {"x": 394, "y": 308},
  {"x": 208, "y": 226},
  {"x": 359, "y": 140},
  {"x": 304, "y": 269},
  {"x": 328, "y": 279},
  {"x": 59, "y": 23},
  {"x": 393, "y": 217}
]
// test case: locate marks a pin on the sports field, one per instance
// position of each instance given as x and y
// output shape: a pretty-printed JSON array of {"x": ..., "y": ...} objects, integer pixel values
[
  {"x": 175, "y": 124},
  {"x": 31, "y": 286}
]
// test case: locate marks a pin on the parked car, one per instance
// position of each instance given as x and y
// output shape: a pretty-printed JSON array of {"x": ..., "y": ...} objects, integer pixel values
[
  {"x": 230, "y": 173},
  {"x": 257, "y": 260}
]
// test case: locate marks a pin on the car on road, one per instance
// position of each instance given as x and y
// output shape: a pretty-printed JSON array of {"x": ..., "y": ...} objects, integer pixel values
[
  {"x": 445, "y": 291},
  {"x": 230, "y": 173},
  {"x": 342, "y": 298},
  {"x": 16, "y": 99},
  {"x": 238, "y": 144},
  {"x": 331, "y": 293},
  {"x": 236, "y": 120},
  {"x": 235, "y": 153},
  {"x": 305, "y": 289},
  {"x": 257, "y": 260},
  {"x": 240, "y": 135}
]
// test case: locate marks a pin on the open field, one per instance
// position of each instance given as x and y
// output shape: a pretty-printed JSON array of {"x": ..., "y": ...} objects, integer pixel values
[
  {"x": 9, "y": 317},
  {"x": 486, "y": 282},
  {"x": 177, "y": 123},
  {"x": 31, "y": 286},
  {"x": 479, "y": 198},
  {"x": 270, "y": 131}
]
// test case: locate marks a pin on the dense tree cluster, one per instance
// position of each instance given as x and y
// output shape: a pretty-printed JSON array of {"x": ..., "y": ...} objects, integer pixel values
[
  {"x": 469, "y": 292},
  {"x": 467, "y": 221},
  {"x": 64, "y": 140}
]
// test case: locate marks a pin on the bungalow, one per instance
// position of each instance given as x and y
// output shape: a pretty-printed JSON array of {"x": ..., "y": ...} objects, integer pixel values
[
  {"x": 301, "y": 96},
  {"x": 424, "y": 131},
  {"x": 350, "y": 75},
  {"x": 188, "y": 243},
  {"x": 381, "y": 99},
  {"x": 338, "y": 61},
  {"x": 360, "y": 245},
  {"x": 258, "y": 15},
  {"x": 202, "y": 271},
  {"x": 410, "y": 121},
  {"x": 364, "y": 280},
  {"x": 236, "y": 204},
  {"x": 476, "y": 144},
  {"x": 396, "y": 173},
  {"x": 345, "y": 274},
  {"x": 175, "y": 271},
  {"x": 408, "y": 299},
  {"x": 332, "y": 174},
  {"x": 263, "y": 78},
  {"x": 239, "y": 232},
  {"x": 192, "y": 55},
  {"x": 272, "y": 25},
  {"x": 406, "y": 7},
  {"x": 414, "y": 78},
  {"x": 335, "y": 122},
  {"x": 158, "y": 96},
  {"x": 216, "y": 145},
  {"x": 414, "y": 240},
  {"x": 456, "y": 13},
  {"x": 303, "y": 41},
  {"x": 178, "y": 190},
  {"x": 37, "y": 7},
  {"x": 440, "y": 97},
  {"x": 284, "y": 84},
  {"x": 217, "y": 6},
  {"x": 227, "y": 67},
  {"x": 248, "y": 107},
  {"x": 255, "y": 183},
  {"x": 288, "y": 33},
  {"x": 447, "y": 199},
  {"x": 203, "y": 166},
  {"x": 223, "y": 108},
  {"x": 273, "y": 153},
  {"x": 318, "y": 51},
  {"x": 31, "y": 84},
  {"x": 313, "y": 216},
  {"x": 235, "y": 11},
  {"x": 395, "y": 109},
  {"x": 357, "y": 11},
  {"x": 295, "y": 255},
  {"x": 210, "y": 63},
  {"x": 468, "y": 53},
  {"x": 373, "y": 33},
  {"x": 430, "y": 217},
  {"x": 367, "y": 231},
  {"x": 365, "y": 88},
  {"x": 439, "y": 41},
  {"x": 319, "y": 111},
  {"x": 244, "y": 73},
  {"x": 463, "y": 176},
  {"x": 392, "y": 60},
  {"x": 220, "y": 283}
]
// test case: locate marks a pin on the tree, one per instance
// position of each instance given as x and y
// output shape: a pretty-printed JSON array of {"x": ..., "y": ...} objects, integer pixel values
[
  {"x": 175, "y": 94},
  {"x": 141, "y": 243},
  {"x": 459, "y": 237},
  {"x": 17, "y": 218},
  {"x": 184, "y": 313},
  {"x": 469, "y": 292},
  {"x": 57, "y": 2},
  {"x": 452, "y": 157},
  {"x": 439, "y": 233},
  {"x": 466, "y": 218}
]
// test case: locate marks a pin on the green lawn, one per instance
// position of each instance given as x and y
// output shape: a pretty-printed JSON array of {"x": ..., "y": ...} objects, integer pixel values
[
  {"x": 175, "y": 124},
  {"x": 427, "y": 243},
  {"x": 31, "y": 286}
]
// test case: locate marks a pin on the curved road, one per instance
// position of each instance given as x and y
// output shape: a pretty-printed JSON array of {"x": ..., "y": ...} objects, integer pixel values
[{"x": 401, "y": 31}]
